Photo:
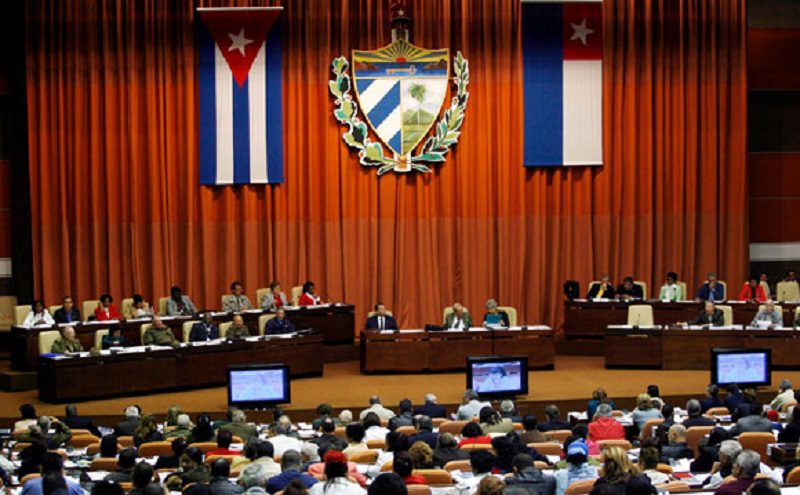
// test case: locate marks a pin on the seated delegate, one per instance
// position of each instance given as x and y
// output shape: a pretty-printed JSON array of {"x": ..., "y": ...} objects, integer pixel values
[
  {"x": 458, "y": 319},
  {"x": 671, "y": 291},
  {"x": 494, "y": 317},
  {"x": 381, "y": 320},
  {"x": 769, "y": 316},
  {"x": 279, "y": 325},
  {"x": 179, "y": 303},
  {"x": 139, "y": 309},
  {"x": 66, "y": 343},
  {"x": 711, "y": 290},
  {"x": 602, "y": 290},
  {"x": 709, "y": 315},
  {"x": 159, "y": 334},
  {"x": 628, "y": 290},
  {"x": 38, "y": 316},
  {"x": 67, "y": 312},
  {"x": 236, "y": 301},
  {"x": 310, "y": 297},
  {"x": 204, "y": 331},
  {"x": 752, "y": 291},
  {"x": 274, "y": 298},
  {"x": 237, "y": 330},
  {"x": 106, "y": 309},
  {"x": 114, "y": 339}
]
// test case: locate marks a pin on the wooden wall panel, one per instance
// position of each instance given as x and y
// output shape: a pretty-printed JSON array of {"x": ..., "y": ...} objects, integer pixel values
[
  {"x": 772, "y": 121},
  {"x": 774, "y": 220},
  {"x": 773, "y": 57},
  {"x": 773, "y": 175}
]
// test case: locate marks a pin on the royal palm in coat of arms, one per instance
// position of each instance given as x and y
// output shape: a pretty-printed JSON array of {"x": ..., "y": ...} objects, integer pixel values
[{"x": 400, "y": 89}]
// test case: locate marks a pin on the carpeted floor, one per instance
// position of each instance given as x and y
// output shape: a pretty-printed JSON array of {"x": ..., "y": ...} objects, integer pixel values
[{"x": 342, "y": 385}]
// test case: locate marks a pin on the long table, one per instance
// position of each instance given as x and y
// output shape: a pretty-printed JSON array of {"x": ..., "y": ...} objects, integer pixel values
[
  {"x": 589, "y": 319},
  {"x": 682, "y": 349},
  {"x": 336, "y": 324},
  {"x": 416, "y": 351},
  {"x": 158, "y": 369}
]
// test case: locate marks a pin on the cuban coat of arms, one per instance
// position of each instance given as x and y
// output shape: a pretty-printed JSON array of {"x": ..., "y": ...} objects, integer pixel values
[{"x": 400, "y": 89}]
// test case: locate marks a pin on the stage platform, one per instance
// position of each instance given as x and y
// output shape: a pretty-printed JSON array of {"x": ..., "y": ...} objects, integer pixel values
[{"x": 570, "y": 385}]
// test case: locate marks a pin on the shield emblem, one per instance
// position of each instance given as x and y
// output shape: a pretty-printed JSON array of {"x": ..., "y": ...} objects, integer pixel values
[{"x": 400, "y": 89}]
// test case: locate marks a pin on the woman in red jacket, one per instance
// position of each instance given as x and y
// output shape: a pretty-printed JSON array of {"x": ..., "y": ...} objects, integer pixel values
[
  {"x": 309, "y": 297},
  {"x": 752, "y": 292},
  {"x": 106, "y": 310}
]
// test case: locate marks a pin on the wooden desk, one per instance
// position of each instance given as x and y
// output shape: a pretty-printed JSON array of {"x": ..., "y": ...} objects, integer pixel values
[
  {"x": 583, "y": 318},
  {"x": 673, "y": 349},
  {"x": 63, "y": 380},
  {"x": 417, "y": 351},
  {"x": 336, "y": 324}
]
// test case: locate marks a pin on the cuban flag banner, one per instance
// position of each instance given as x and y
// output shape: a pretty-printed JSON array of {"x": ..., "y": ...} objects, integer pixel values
[
  {"x": 240, "y": 95},
  {"x": 563, "y": 83}
]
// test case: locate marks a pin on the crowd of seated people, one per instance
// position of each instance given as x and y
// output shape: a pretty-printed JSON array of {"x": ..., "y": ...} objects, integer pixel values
[{"x": 387, "y": 450}]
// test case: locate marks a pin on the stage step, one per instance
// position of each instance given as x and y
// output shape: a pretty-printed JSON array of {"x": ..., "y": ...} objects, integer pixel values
[
  {"x": 340, "y": 353},
  {"x": 17, "y": 381},
  {"x": 580, "y": 347}
]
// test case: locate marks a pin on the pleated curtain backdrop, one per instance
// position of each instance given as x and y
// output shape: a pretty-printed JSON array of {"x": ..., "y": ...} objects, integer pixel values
[{"x": 117, "y": 206}]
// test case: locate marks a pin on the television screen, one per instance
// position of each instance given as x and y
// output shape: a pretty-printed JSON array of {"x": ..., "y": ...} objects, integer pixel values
[
  {"x": 498, "y": 376},
  {"x": 255, "y": 386},
  {"x": 741, "y": 366}
]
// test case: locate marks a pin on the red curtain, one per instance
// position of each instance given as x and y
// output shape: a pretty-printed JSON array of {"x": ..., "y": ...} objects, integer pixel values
[{"x": 116, "y": 204}]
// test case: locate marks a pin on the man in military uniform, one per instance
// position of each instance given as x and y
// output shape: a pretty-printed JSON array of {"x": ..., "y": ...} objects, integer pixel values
[
  {"x": 159, "y": 334},
  {"x": 237, "y": 331},
  {"x": 236, "y": 301},
  {"x": 66, "y": 343},
  {"x": 61, "y": 432},
  {"x": 239, "y": 426},
  {"x": 182, "y": 429}
]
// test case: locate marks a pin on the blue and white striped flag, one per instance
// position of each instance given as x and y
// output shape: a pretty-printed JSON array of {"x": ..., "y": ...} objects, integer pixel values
[{"x": 240, "y": 95}]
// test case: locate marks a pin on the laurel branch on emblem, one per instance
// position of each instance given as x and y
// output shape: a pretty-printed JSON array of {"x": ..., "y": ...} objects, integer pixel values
[{"x": 371, "y": 153}]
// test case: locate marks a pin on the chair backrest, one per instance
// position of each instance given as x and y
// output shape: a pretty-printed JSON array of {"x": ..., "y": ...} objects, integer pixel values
[
  {"x": 364, "y": 456},
  {"x": 263, "y": 320},
  {"x": 696, "y": 433},
  {"x": 684, "y": 288},
  {"x": 210, "y": 459},
  {"x": 52, "y": 309},
  {"x": 547, "y": 448},
  {"x": 98, "y": 338},
  {"x": 376, "y": 443},
  {"x": 787, "y": 291},
  {"x": 765, "y": 288},
  {"x": 88, "y": 307},
  {"x": 640, "y": 314},
  {"x": 223, "y": 328},
  {"x": 46, "y": 340},
  {"x": 7, "y": 318},
  {"x": 664, "y": 468},
  {"x": 725, "y": 286},
  {"x": 297, "y": 291},
  {"x": 162, "y": 306},
  {"x": 512, "y": 314},
  {"x": 615, "y": 443},
  {"x": 206, "y": 447},
  {"x": 649, "y": 426},
  {"x": 793, "y": 477},
  {"x": 435, "y": 476},
  {"x": 406, "y": 430},
  {"x": 643, "y": 285},
  {"x": 29, "y": 477},
  {"x": 104, "y": 464},
  {"x": 260, "y": 293},
  {"x": 144, "y": 327},
  {"x": 777, "y": 306},
  {"x": 477, "y": 446},
  {"x": 126, "y": 441},
  {"x": 373, "y": 313},
  {"x": 21, "y": 312},
  {"x": 81, "y": 441},
  {"x": 758, "y": 442},
  {"x": 558, "y": 435},
  {"x": 186, "y": 328},
  {"x": 153, "y": 449},
  {"x": 460, "y": 465},
  {"x": 727, "y": 312},
  {"x": 452, "y": 427},
  {"x": 580, "y": 487},
  {"x": 126, "y": 305},
  {"x": 718, "y": 411},
  {"x": 673, "y": 487},
  {"x": 419, "y": 490}
]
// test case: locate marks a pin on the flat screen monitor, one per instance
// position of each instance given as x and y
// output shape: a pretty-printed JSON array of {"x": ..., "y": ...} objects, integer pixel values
[
  {"x": 749, "y": 367},
  {"x": 498, "y": 376},
  {"x": 258, "y": 386}
]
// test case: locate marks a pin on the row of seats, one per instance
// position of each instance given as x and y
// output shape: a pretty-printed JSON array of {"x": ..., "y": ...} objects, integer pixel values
[
  {"x": 784, "y": 291},
  {"x": 642, "y": 314}
]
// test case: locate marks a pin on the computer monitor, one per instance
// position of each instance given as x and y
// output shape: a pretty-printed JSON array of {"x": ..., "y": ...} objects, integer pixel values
[
  {"x": 259, "y": 386},
  {"x": 498, "y": 376},
  {"x": 744, "y": 367}
]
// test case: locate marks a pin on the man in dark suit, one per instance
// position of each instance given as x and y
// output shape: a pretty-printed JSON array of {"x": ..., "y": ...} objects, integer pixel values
[
  {"x": 127, "y": 427},
  {"x": 381, "y": 320},
  {"x": 755, "y": 421},
  {"x": 431, "y": 408},
  {"x": 710, "y": 316},
  {"x": 696, "y": 418},
  {"x": 280, "y": 324},
  {"x": 67, "y": 313},
  {"x": 424, "y": 432},
  {"x": 553, "y": 420},
  {"x": 204, "y": 331},
  {"x": 76, "y": 422},
  {"x": 328, "y": 438},
  {"x": 712, "y": 398},
  {"x": 602, "y": 290},
  {"x": 677, "y": 448},
  {"x": 628, "y": 290}
]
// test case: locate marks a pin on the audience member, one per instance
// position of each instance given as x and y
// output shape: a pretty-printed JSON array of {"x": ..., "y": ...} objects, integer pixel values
[
  {"x": 694, "y": 411},
  {"x": 470, "y": 406},
  {"x": 712, "y": 398},
  {"x": 622, "y": 475},
  {"x": 178, "y": 445},
  {"x": 785, "y": 395},
  {"x": 126, "y": 461},
  {"x": 220, "y": 483},
  {"x": 492, "y": 422},
  {"x": 406, "y": 416},
  {"x": 471, "y": 433},
  {"x": 649, "y": 457},
  {"x": 599, "y": 396},
  {"x": 290, "y": 470},
  {"x": 577, "y": 468},
  {"x": 481, "y": 462},
  {"x": 604, "y": 426},
  {"x": 447, "y": 450},
  {"x": 239, "y": 426},
  {"x": 533, "y": 480},
  {"x": 645, "y": 411},
  {"x": 424, "y": 433},
  {"x": 554, "y": 421},
  {"x": 388, "y": 484},
  {"x": 431, "y": 408},
  {"x": 791, "y": 431},
  {"x": 376, "y": 407},
  {"x": 745, "y": 468},
  {"x": 76, "y": 422},
  {"x": 755, "y": 421},
  {"x": 677, "y": 447},
  {"x": 372, "y": 427},
  {"x": 355, "y": 439},
  {"x": 531, "y": 433},
  {"x": 336, "y": 480}
]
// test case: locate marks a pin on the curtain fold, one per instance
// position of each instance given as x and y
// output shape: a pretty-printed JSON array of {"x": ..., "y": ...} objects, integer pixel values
[{"x": 117, "y": 206}]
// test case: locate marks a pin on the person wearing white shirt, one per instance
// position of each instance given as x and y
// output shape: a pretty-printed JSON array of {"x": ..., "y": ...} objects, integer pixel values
[
  {"x": 470, "y": 406},
  {"x": 481, "y": 462},
  {"x": 376, "y": 407},
  {"x": 281, "y": 441},
  {"x": 336, "y": 482},
  {"x": 373, "y": 429},
  {"x": 39, "y": 316},
  {"x": 671, "y": 291},
  {"x": 785, "y": 394}
]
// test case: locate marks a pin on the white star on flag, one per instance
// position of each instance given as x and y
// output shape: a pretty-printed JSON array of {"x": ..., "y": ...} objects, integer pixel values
[
  {"x": 238, "y": 42},
  {"x": 581, "y": 31}
]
